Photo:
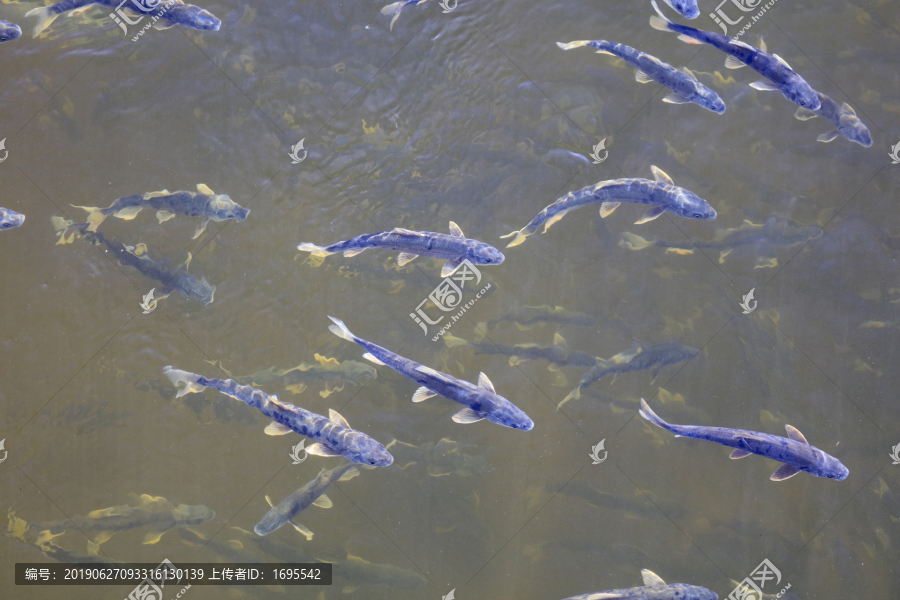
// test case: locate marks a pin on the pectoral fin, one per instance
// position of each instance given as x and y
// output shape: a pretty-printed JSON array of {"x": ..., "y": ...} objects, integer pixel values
[
  {"x": 733, "y": 63},
  {"x": 785, "y": 471},
  {"x": 642, "y": 77},
  {"x": 607, "y": 208},
  {"x": 153, "y": 536},
  {"x": 651, "y": 214},
  {"x": 164, "y": 216},
  {"x": 422, "y": 394},
  {"x": 323, "y": 501},
  {"x": 276, "y": 428},
  {"x": 738, "y": 453},
  {"x": 765, "y": 86},
  {"x": 201, "y": 228},
  {"x": 370, "y": 357},
  {"x": 321, "y": 450},
  {"x": 829, "y": 136},
  {"x": 804, "y": 114},
  {"x": 467, "y": 415},
  {"x": 450, "y": 266},
  {"x": 406, "y": 257},
  {"x": 163, "y": 24},
  {"x": 303, "y": 530},
  {"x": 676, "y": 98}
]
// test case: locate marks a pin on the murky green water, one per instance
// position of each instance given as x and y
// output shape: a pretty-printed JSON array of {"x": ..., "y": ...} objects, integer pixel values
[{"x": 472, "y": 116}]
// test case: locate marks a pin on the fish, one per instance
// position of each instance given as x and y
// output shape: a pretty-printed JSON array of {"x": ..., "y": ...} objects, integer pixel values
[
  {"x": 170, "y": 13},
  {"x": 395, "y": 8},
  {"x": 10, "y": 219},
  {"x": 202, "y": 203},
  {"x": 9, "y": 31},
  {"x": 411, "y": 244},
  {"x": 654, "y": 589},
  {"x": 151, "y": 511},
  {"x": 779, "y": 75},
  {"x": 333, "y": 436},
  {"x": 661, "y": 194},
  {"x": 776, "y": 231},
  {"x": 328, "y": 370},
  {"x": 443, "y": 458},
  {"x": 558, "y": 355},
  {"x": 847, "y": 124},
  {"x": 528, "y": 316},
  {"x": 794, "y": 452},
  {"x": 311, "y": 493},
  {"x": 686, "y": 8},
  {"x": 684, "y": 84},
  {"x": 637, "y": 358},
  {"x": 138, "y": 257},
  {"x": 481, "y": 401}
]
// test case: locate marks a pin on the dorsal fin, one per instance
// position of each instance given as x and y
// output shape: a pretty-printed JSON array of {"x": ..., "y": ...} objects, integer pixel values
[
  {"x": 484, "y": 382},
  {"x": 660, "y": 175},
  {"x": 782, "y": 61},
  {"x": 689, "y": 73},
  {"x": 795, "y": 434},
  {"x": 336, "y": 418},
  {"x": 204, "y": 189},
  {"x": 455, "y": 231},
  {"x": 651, "y": 578},
  {"x": 559, "y": 340},
  {"x": 847, "y": 108}
]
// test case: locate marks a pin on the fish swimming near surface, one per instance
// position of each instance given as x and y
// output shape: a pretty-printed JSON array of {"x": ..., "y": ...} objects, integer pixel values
[
  {"x": 333, "y": 436},
  {"x": 411, "y": 244},
  {"x": 138, "y": 257},
  {"x": 481, "y": 401},
  {"x": 9, "y": 31},
  {"x": 847, "y": 124},
  {"x": 775, "y": 69},
  {"x": 662, "y": 195},
  {"x": 395, "y": 8},
  {"x": 654, "y": 589},
  {"x": 443, "y": 458},
  {"x": 684, "y": 84},
  {"x": 558, "y": 355},
  {"x": 637, "y": 358},
  {"x": 526, "y": 317},
  {"x": 776, "y": 231},
  {"x": 326, "y": 370},
  {"x": 155, "y": 512},
  {"x": 202, "y": 203},
  {"x": 10, "y": 219},
  {"x": 793, "y": 451},
  {"x": 169, "y": 13},
  {"x": 686, "y": 8},
  {"x": 311, "y": 493}
]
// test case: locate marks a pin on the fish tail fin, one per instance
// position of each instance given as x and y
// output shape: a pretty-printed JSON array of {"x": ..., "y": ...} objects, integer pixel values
[
  {"x": 571, "y": 45},
  {"x": 634, "y": 242},
  {"x": 520, "y": 237},
  {"x": 453, "y": 341},
  {"x": 659, "y": 22},
  {"x": 95, "y": 216},
  {"x": 314, "y": 250},
  {"x": 648, "y": 414},
  {"x": 340, "y": 330},
  {"x": 45, "y": 14},
  {"x": 393, "y": 9},
  {"x": 188, "y": 379}
]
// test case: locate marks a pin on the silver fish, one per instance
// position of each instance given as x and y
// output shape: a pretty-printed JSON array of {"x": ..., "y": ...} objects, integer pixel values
[
  {"x": 10, "y": 219},
  {"x": 443, "y": 458},
  {"x": 170, "y": 13},
  {"x": 847, "y": 124},
  {"x": 326, "y": 370},
  {"x": 654, "y": 589}
]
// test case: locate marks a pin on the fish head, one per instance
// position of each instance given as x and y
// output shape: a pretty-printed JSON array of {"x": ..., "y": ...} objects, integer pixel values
[
  {"x": 852, "y": 129},
  {"x": 828, "y": 466},
  {"x": 686, "y": 8},
  {"x": 194, "y": 515},
  {"x": 692, "y": 592},
  {"x": 709, "y": 100},
  {"x": 363, "y": 450},
  {"x": 484, "y": 254},
  {"x": 691, "y": 206},
  {"x": 10, "y": 219},
  {"x": 9, "y": 31},
  {"x": 201, "y": 19},
  {"x": 800, "y": 93},
  {"x": 223, "y": 207},
  {"x": 501, "y": 411}
]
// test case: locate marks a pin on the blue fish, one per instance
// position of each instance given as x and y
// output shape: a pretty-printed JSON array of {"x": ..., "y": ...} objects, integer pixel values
[
  {"x": 411, "y": 244},
  {"x": 662, "y": 195},
  {"x": 684, "y": 85},
  {"x": 311, "y": 493},
  {"x": 771, "y": 66},
  {"x": 396, "y": 7},
  {"x": 686, "y": 8},
  {"x": 793, "y": 451},
  {"x": 9, "y": 31},
  {"x": 333, "y": 436},
  {"x": 654, "y": 589},
  {"x": 202, "y": 203},
  {"x": 847, "y": 124},
  {"x": 170, "y": 13},
  {"x": 481, "y": 401},
  {"x": 10, "y": 219}
]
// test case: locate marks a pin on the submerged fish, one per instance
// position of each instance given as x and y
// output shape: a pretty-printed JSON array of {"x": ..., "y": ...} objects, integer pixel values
[
  {"x": 333, "y": 436},
  {"x": 411, "y": 244},
  {"x": 662, "y": 195},
  {"x": 395, "y": 8},
  {"x": 528, "y": 316},
  {"x": 686, "y": 8},
  {"x": 202, "y": 203},
  {"x": 443, "y": 458},
  {"x": 296, "y": 380},
  {"x": 558, "y": 355},
  {"x": 793, "y": 451},
  {"x": 846, "y": 123},
  {"x": 481, "y": 401},
  {"x": 311, "y": 493},
  {"x": 155, "y": 512},
  {"x": 684, "y": 85},
  {"x": 771, "y": 66},
  {"x": 10, "y": 219},
  {"x": 9, "y": 31},
  {"x": 654, "y": 589},
  {"x": 636, "y": 358},
  {"x": 136, "y": 256},
  {"x": 170, "y": 13}
]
